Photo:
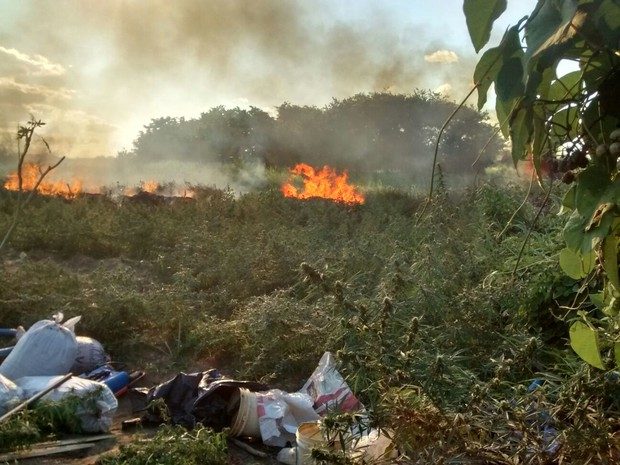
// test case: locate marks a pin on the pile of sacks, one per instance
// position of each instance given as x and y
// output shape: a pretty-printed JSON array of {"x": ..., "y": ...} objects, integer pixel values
[{"x": 45, "y": 353}]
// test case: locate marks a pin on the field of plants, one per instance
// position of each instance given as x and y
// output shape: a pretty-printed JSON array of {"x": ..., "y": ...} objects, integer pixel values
[{"x": 440, "y": 323}]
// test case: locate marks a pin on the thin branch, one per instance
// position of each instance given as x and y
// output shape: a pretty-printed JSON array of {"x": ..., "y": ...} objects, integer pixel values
[
  {"x": 529, "y": 190},
  {"x": 499, "y": 128},
  {"x": 529, "y": 232},
  {"x": 441, "y": 131},
  {"x": 26, "y": 133}
]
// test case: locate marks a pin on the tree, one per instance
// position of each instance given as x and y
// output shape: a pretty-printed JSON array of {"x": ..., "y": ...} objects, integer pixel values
[
  {"x": 569, "y": 122},
  {"x": 25, "y": 135}
]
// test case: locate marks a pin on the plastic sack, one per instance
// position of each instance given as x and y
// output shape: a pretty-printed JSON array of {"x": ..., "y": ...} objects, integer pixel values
[
  {"x": 96, "y": 411},
  {"x": 90, "y": 355},
  {"x": 71, "y": 322},
  {"x": 280, "y": 414},
  {"x": 329, "y": 390},
  {"x": 375, "y": 447},
  {"x": 10, "y": 394},
  {"x": 46, "y": 349},
  {"x": 288, "y": 455}
]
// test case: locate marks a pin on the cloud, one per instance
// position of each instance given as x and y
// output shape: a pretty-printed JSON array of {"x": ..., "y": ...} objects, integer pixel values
[
  {"x": 43, "y": 66},
  {"x": 442, "y": 56},
  {"x": 10, "y": 85}
]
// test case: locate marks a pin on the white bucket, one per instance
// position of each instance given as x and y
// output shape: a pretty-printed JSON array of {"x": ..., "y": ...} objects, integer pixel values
[{"x": 245, "y": 421}]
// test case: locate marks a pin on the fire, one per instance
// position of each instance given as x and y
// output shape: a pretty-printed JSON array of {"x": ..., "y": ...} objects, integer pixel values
[
  {"x": 30, "y": 175},
  {"x": 150, "y": 186},
  {"x": 325, "y": 183}
]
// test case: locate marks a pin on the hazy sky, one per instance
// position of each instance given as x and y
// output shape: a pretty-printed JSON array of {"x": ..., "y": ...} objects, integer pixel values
[{"x": 97, "y": 70}]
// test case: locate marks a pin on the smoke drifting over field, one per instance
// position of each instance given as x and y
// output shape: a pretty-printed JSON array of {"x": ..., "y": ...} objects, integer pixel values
[{"x": 98, "y": 71}]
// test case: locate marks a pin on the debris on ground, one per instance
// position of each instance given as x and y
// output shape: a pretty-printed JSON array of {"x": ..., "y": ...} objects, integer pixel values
[
  {"x": 48, "y": 389},
  {"x": 252, "y": 410},
  {"x": 50, "y": 363},
  {"x": 95, "y": 403}
]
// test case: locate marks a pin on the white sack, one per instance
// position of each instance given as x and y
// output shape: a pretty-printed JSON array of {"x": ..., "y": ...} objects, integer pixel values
[
  {"x": 46, "y": 349},
  {"x": 90, "y": 355},
  {"x": 280, "y": 414},
  {"x": 96, "y": 412},
  {"x": 10, "y": 394}
]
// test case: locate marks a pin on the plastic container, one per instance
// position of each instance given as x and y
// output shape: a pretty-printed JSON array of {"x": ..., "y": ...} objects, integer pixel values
[
  {"x": 117, "y": 381},
  {"x": 308, "y": 436},
  {"x": 245, "y": 421},
  {"x": 8, "y": 332}
]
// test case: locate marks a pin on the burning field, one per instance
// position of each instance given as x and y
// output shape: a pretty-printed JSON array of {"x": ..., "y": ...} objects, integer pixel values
[
  {"x": 324, "y": 183},
  {"x": 73, "y": 188}
]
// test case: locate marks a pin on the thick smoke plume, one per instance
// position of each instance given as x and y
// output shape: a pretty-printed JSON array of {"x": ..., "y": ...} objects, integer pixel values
[{"x": 98, "y": 71}]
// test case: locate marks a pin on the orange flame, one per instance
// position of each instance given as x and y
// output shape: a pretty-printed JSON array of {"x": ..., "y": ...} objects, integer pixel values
[
  {"x": 150, "y": 186},
  {"x": 30, "y": 175},
  {"x": 325, "y": 183}
]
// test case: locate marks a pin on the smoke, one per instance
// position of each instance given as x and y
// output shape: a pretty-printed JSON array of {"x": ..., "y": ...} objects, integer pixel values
[
  {"x": 97, "y": 72},
  {"x": 114, "y": 65},
  {"x": 176, "y": 177}
]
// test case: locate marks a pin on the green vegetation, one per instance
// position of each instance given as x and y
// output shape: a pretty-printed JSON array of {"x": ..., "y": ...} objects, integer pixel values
[
  {"x": 434, "y": 332},
  {"x": 450, "y": 327},
  {"x": 569, "y": 125},
  {"x": 43, "y": 421},
  {"x": 173, "y": 446},
  {"x": 365, "y": 134}
]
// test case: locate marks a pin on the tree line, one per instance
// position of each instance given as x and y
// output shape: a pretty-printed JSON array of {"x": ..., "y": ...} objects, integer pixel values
[{"x": 365, "y": 133}]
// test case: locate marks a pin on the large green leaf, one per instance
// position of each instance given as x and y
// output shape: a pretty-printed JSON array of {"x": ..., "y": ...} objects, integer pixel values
[
  {"x": 486, "y": 70},
  {"x": 492, "y": 63},
  {"x": 617, "y": 353},
  {"x": 593, "y": 183},
  {"x": 568, "y": 201},
  {"x": 580, "y": 240},
  {"x": 509, "y": 81},
  {"x": 610, "y": 260},
  {"x": 565, "y": 87},
  {"x": 547, "y": 17},
  {"x": 598, "y": 299},
  {"x": 538, "y": 81},
  {"x": 608, "y": 20},
  {"x": 573, "y": 19},
  {"x": 521, "y": 128},
  {"x": 503, "y": 110},
  {"x": 566, "y": 123},
  {"x": 540, "y": 144},
  {"x": 585, "y": 342},
  {"x": 576, "y": 265},
  {"x": 480, "y": 15}
]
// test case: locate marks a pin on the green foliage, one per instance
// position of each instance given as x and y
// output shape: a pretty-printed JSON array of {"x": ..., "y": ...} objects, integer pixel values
[
  {"x": 173, "y": 446},
  {"x": 480, "y": 16},
  {"x": 568, "y": 124},
  {"x": 364, "y": 134},
  {"x": 422, "y": 315},
  {"x": 45, "y": 420}
]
